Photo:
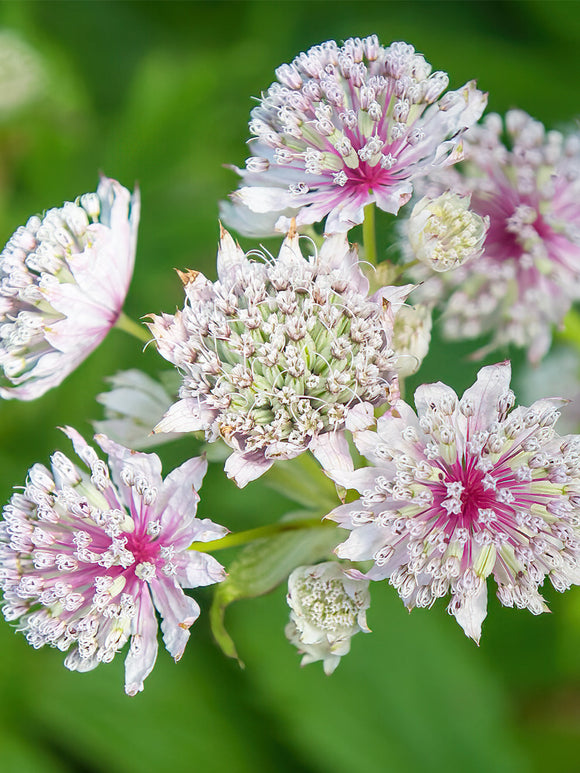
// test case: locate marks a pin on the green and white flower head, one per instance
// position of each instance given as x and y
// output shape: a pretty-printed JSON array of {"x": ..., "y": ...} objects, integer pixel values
[
  {"x": 63, "y": 282},
  {"x": 280, "y": 355},
  {"x": 411, "y": 338},
  {"x": 444, "y": 233},
  {"x": 327, "y": 609},
  {"x": 462, "y": 490}
]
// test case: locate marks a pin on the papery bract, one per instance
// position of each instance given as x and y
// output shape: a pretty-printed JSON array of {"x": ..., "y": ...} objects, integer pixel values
[
  {"x": 86, "y": 561},
  {"x": 462, "y": 490},
  {"x": 63, "y": 281}
]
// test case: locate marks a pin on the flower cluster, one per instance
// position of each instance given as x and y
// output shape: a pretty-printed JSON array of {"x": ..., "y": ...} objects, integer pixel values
[
  {"x": 327, "y": 610},
  {"x": 278, "y": 354},
  {"x": 346, "y": 126},
  {"x": 529, "y": 273},
  {"x": 462, "y": 490},
  {"x": 63, "y": 282},
  {"x": 86, "y": 561}
]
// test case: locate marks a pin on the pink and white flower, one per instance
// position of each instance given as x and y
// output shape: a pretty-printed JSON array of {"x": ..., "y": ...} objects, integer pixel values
[
  {"x": 86, "y": 561},
  {"x": 280, "y": 355},
  {"x": 63, "y": 281},
  {"x": 529, "y": 273},
  {"x": 343, "y": 127},
  {"x": 462, "y": 490}
]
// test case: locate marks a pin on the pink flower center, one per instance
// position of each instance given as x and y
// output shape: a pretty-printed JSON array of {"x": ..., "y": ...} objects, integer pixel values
[{"x": 462, "y": 492}]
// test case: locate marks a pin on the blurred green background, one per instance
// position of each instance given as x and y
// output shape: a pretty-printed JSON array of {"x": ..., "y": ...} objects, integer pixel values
[{"x": 160, "y": 92}]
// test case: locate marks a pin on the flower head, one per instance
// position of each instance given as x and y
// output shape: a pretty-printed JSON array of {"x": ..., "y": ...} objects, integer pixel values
[
  {"x": 63, "y": 282},
  {"x": 345, "y": 126},
  {"x": 443, "y": 233},
  {"x": 529, "y": 273},
  {"x": 327, "y": 610},
  {"x": 85, "y": 560},
  {"x": 278, "y": 354},
  {"x": 462, "y": 490}
]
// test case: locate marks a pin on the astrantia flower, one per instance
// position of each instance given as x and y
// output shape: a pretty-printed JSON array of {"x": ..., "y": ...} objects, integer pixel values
[
  {"x": 278, "y": 355},
  {"x": 327, "y": 610},
  {"x": 529, "y": 273},
  {"x": 63, "y": 282},
  {"x": 444, "y": 233},
  {"x": 345, "y": 126},
  {"x": 86, "y": 561},
  {"x": 463, "y": 490}
]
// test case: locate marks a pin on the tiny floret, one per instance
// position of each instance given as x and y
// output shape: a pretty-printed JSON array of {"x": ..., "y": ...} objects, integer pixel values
[
  {"x": 63, "y": 281},
  {"x": 343, "y": 127},
  {"x": 86, "y": 559},
  {"x": 280, "y": 353},
  {"x": 465, "y": 489},
  {"x": 327, "y": 609},
  {"x": 444, "y": 233}
]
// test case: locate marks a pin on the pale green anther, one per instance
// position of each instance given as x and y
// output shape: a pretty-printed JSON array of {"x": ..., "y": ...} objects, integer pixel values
[
  {"x": 545, "y": 487},
  {"x": 92, "y": 495},
  {"x": 365, "y": 123},
  {"x": 331, "y": 161},
  {"x": 311, "y": 136}
]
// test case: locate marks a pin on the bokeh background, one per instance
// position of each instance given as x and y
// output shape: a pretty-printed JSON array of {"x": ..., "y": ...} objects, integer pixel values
[{"x": 159, "y": 93}]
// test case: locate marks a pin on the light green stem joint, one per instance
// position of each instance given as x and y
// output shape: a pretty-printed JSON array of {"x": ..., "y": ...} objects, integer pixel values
[
  {"x": 133, "y": 328},
  {"x": 262, "y": 532},
  {"x": 369, "y": 234}
]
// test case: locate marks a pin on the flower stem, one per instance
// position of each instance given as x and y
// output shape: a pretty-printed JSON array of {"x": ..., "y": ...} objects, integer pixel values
[
  {"x": 133, "y": 328},
  {"x": 249, "y": 535},
  {"x": 369, "y": 234}
]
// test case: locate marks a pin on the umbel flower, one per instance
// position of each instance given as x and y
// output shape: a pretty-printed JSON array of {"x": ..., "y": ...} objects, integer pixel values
[
  {"x": 462, "y": 490},
  {"x": 529, "y": 273},
  {"x": 279, "y": 354},
  {"x": 345, "y": 126},
  {"x": 85, "y": 560},
  {"x": 327, "y": 610},
  {"x": 63, "y": 281}
]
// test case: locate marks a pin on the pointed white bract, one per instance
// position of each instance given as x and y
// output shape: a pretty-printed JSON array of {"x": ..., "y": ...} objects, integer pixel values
[
  {"x": 327, "y": 609},
  {"x": 462, "y": 490},
  {"x": 86, "y": 560},
  {"x": 63, "y": 281},
  {"x": 279, "y": 351},
  {"x": 528, "y": 275},
  {"x": 411, "y": 338},
  {"x": 343, "y": 127}
]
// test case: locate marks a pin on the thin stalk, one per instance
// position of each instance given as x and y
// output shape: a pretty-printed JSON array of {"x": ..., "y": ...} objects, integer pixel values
[
  {"x": 369, "y": 234},
  {"x": 249, "y": 535},
  {"x": 133, "y": 328}
]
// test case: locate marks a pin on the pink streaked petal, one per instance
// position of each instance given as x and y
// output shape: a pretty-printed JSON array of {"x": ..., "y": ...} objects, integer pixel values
[
  {"x": 360, "y": 417},
  {"x": 360, "y": 480},
  {"x": 492, "y": 383},
  {"x": 178, "y": 494},
  {"x": 362, "y": 543},
  {"x": 261, "y": 199},
  {"x": 186, "y": 415},
  {"x": 243, "y": 469},
  {"x": 198, "y": 569},
  {"x": 394, "y": 197},
  {"x": 332, "y": 452},
  {"x": 205, "y": 530},
  {"x": 143, "y": 647},
  {"x": 178, "y": 613},
  {"x": 147, "y": 466}
]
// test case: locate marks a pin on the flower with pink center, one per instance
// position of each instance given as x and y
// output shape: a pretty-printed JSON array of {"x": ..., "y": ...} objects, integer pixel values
[
  {"x": 280, "y": 355},
  {"x": 464, "y": 489},
  {"x": 85, "y": 561},
  {"x": 63, "y": 281},
  {"x": 343, "y": 127},
  {"x": 529, "y": 273}
]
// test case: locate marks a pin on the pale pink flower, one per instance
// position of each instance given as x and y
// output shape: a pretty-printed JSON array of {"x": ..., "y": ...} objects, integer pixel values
[
  {"x": 343, "y": 127},
  {"x": 462, "y": 490},
  {"x": 85, "y": 561},
  {"x": 63, "y": 281},
  {"x": 281, "y": 354},
  {"x": 529, "y": 273}
]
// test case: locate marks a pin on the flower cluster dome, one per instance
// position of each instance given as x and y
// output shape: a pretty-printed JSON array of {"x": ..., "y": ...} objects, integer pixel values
[
  {"x": 63, "y": 281},
  {"x": 462, "y": 490},
  {"x": 85, "y": 561},
  {"x": 529, "y": 273},
  {"x": 278, "y": 355},
  {"x": 345, "y": 126}
]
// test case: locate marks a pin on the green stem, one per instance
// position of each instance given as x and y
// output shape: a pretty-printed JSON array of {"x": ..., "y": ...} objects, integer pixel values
[
  {"x": 249, "y": 535},
  {"x": 133, "y": 328},
  {"x": 369, "y": 234}
]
